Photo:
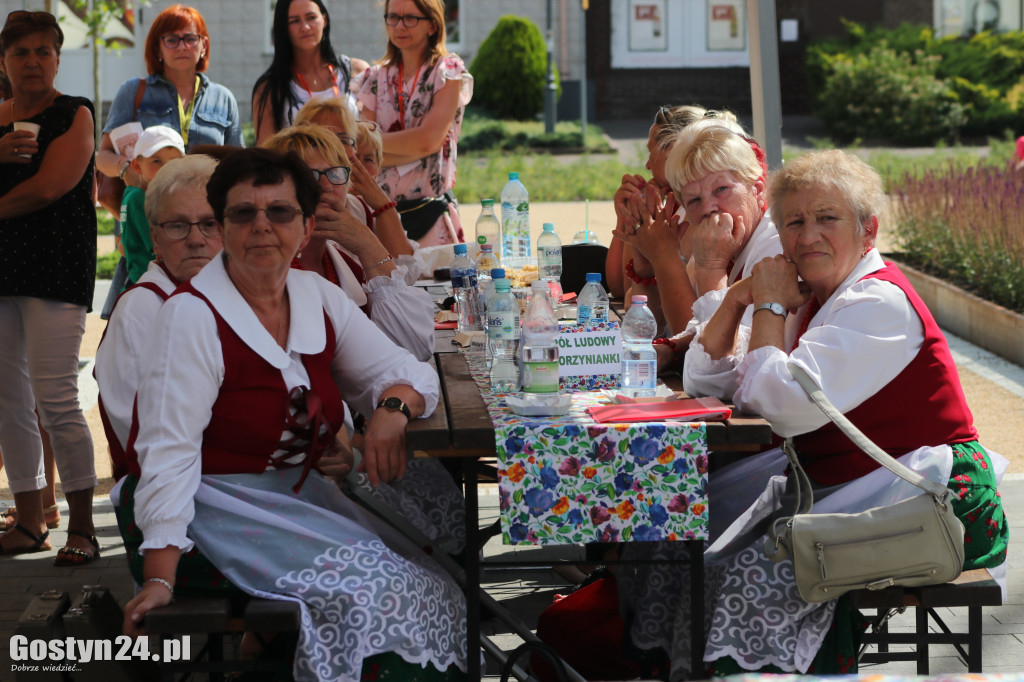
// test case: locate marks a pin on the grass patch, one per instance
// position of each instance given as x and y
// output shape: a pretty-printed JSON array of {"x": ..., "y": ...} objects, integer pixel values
[
  {"x": 482, "y": 133},
  {"x": 547, "y": 178},
  {"x": 104, "y": 222}
]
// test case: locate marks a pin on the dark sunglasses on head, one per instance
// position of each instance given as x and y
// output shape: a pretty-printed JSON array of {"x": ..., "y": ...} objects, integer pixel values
[
  {"x": 336, "y": 176},
  {"x": 171, "y": 41},
  {"x": 276, "y": 213},
  {"x": 41, "y": 19},
  {"x": 372, "y": 125},
  {"x": 176, "y": 230}
]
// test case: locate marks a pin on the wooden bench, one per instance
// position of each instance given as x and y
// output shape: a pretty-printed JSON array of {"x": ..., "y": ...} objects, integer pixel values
[
  {"x": 973, "y": 589},
  {"x": 219, "y": 618}
]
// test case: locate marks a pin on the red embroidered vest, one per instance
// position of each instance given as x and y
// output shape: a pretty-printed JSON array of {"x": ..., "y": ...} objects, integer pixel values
[
  {"x": 923, "y": 405},
  {"x": 119, "y": 461},
  {"x": 249, "y": 415}
]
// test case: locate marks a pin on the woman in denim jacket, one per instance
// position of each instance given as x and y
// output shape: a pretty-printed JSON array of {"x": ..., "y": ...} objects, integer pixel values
[{"x": 176, "y": 92}]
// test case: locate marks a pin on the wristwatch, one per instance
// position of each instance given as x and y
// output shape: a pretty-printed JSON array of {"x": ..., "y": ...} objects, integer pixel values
[
  {"x": 395, "y": 405},
  {"x": 774, "y": 307}
]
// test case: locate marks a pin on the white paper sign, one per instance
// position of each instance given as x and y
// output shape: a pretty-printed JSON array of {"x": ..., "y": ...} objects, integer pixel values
[{"x": 588, "y": 353}]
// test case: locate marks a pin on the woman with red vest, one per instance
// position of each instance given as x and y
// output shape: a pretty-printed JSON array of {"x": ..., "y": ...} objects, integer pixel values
[
  {"x": 185, "y": 238},
  {"x": 238, "y": 411},
  {"x": 854, "y": 323}
]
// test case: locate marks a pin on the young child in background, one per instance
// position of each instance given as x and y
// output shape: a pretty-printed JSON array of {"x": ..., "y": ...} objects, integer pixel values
[{"x": 156, "y": 146}]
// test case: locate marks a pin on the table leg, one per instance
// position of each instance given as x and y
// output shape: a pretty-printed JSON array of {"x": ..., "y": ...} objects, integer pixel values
[
  {"x": 472, "y": 563},
  {"x": 696, "y": 609}
]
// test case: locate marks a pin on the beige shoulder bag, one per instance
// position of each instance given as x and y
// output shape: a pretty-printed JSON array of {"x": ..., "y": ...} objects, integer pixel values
[{"x": 918, "y": 541}]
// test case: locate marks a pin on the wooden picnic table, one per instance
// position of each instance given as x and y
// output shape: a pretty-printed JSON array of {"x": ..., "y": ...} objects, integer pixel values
[{"x": 461, "y": 431}]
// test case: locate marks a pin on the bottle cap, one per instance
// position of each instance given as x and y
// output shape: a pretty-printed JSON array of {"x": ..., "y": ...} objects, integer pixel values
[
  {"x": 502, "y": 284},
  {"x": 639, "y": 298},
  {"x": 513, "y": 176},
  {"x": 549, "y": 227},
  {"x": 593, "y": 276},
  {"x": 497, "y": 273},
  {"x": 460, "y": 249},
  {"x": 539, "y": 285},
  {"x": 487, "y": 202},
  {"x": 486, "y": 247}
]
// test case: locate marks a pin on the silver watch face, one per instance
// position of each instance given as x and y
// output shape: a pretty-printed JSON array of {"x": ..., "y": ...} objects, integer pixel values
[{"x": 774, "y": 307}]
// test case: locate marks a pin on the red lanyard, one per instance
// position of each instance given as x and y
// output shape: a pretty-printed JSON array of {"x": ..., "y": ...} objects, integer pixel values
[
  {"x": 334, "y": 85},
  {"x": 813, "y": 307},
  {"x": 403, "y": 99}
]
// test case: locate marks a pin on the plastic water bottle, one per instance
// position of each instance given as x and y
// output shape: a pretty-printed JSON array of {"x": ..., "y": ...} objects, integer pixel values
[
  {"x": 592, "y": 303},
  {"x": 485, "y": 262},
  {"x": 464, "y": 287},
  {"x": 503, "y": 334},
  {"x": 488, "y": 229},
  {"x": 549, "y": 261},
  {"x": 515, "y": 223},
  {"x": 540, "y": 349},
  {"x": 639, "y": 359}
]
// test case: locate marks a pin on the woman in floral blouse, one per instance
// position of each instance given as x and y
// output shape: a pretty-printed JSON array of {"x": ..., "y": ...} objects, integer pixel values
[{"x": 418, "y": 93}]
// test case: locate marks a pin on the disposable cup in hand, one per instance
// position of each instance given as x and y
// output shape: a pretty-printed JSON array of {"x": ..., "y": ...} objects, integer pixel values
[{"x": 32, "y": 128}]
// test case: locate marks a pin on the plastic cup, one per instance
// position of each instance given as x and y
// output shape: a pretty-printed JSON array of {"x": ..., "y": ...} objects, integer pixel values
[{"x": 32, "y": 128}]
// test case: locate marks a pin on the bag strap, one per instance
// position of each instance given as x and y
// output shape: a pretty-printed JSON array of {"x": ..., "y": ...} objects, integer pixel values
[
  {"x": 940, "y": 492},
  {"x": 139, "y": 92}
]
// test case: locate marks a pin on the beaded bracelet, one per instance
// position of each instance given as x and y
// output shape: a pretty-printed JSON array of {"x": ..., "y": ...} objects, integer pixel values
[
  {"x": 646, "y": 281},
  {"x": 165, "y": 583},
  {"x": 382, "y": 261},
  {"x": 667, "y": 342},
  {"x": 386, "y": 207}
]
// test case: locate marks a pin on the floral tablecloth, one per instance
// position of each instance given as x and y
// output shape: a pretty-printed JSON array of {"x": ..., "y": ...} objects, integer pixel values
[{"x": 568, "y": 479}]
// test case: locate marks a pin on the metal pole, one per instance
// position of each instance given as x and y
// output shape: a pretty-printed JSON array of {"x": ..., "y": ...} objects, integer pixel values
[
  {"x": 583, "y": 73},
  {"x": 550, "y": 91},
  {"x": 765, "y": 95}
]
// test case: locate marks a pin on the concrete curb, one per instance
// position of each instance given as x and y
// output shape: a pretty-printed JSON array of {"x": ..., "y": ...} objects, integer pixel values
[{"x": 984, "y": 324}]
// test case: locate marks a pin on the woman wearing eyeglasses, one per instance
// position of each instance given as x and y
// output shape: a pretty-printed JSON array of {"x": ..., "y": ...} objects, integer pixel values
[
  {"x": 185, "y": 238},
  {"x": 47, "y": 274},
  {"x": 237, "y": 457},
  {"x": 305, "y": 67},
  {"x": 176, "y": 93},
  {"x": 345, "y": 251},
  {"x": 418, "y": 93}
]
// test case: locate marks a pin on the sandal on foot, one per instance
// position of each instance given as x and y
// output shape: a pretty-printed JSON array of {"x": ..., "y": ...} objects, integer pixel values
[
  {"x": 10, "y": 516},
  {"x": 37, "y": 541},
  {"x": 73, "y": 556}
]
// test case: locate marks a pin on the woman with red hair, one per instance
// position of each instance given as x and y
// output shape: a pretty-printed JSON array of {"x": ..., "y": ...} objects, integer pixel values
[{"x": 176, "y": 93}]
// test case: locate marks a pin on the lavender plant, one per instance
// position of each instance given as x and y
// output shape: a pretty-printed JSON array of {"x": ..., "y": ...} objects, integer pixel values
[{"x": 966, "y": 226}]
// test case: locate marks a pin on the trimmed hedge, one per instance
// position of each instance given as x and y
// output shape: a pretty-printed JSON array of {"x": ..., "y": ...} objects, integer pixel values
[
  {"x": 510, "y": 70},
  {"x": 976, "y": 83}
]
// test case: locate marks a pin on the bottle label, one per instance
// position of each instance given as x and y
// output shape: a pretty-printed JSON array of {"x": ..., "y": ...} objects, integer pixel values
[
  {"x": 583, "y": 313},
  {"x": 502, "y": 325},
  {"x": 639, "y": 374},
  {"x": 599, "y": 313},
  {"x": 463, "y": 281},
  {"x": 550, "y": 253},
  {"x": 540, "y": 377},
  {"x": 482, "y": 239}
]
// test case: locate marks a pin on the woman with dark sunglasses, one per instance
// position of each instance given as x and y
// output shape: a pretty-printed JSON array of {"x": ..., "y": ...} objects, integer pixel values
[
  {"x": 176, "y": 93},
  {"x": 238, "y": 455},
  {"x": 305, "y": 67},
  {"x": 418, "y": 94},
  {"x": 346, "y": 251}
]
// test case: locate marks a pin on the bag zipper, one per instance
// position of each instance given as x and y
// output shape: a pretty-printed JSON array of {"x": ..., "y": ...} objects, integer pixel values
[{"x": 820, "y": 546}]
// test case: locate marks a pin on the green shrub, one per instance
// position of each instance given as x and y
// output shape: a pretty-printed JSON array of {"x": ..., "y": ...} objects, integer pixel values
[
  {"x": 982, "y": 72},
  {"x": 106, "y": 264},
  {"x": 510, "y": 70},
  {"x": 481, "y": 133},
  {"x": 891, "y": 95}
]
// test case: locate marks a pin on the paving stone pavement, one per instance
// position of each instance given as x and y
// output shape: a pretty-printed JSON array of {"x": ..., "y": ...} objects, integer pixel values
[{"x": 524, "y": 592}]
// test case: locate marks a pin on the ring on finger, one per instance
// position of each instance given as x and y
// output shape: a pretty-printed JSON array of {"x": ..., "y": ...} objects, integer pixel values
[{"x": 636, "y": 226}]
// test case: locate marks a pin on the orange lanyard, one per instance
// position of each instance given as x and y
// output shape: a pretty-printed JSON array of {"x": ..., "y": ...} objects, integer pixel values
[
  {"x": 334, "y": 84},
  {"x": 403, "y": 99}
]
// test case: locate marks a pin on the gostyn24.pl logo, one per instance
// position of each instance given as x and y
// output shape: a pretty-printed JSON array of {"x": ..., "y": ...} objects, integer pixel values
[{"x": 64, "y": 655}]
